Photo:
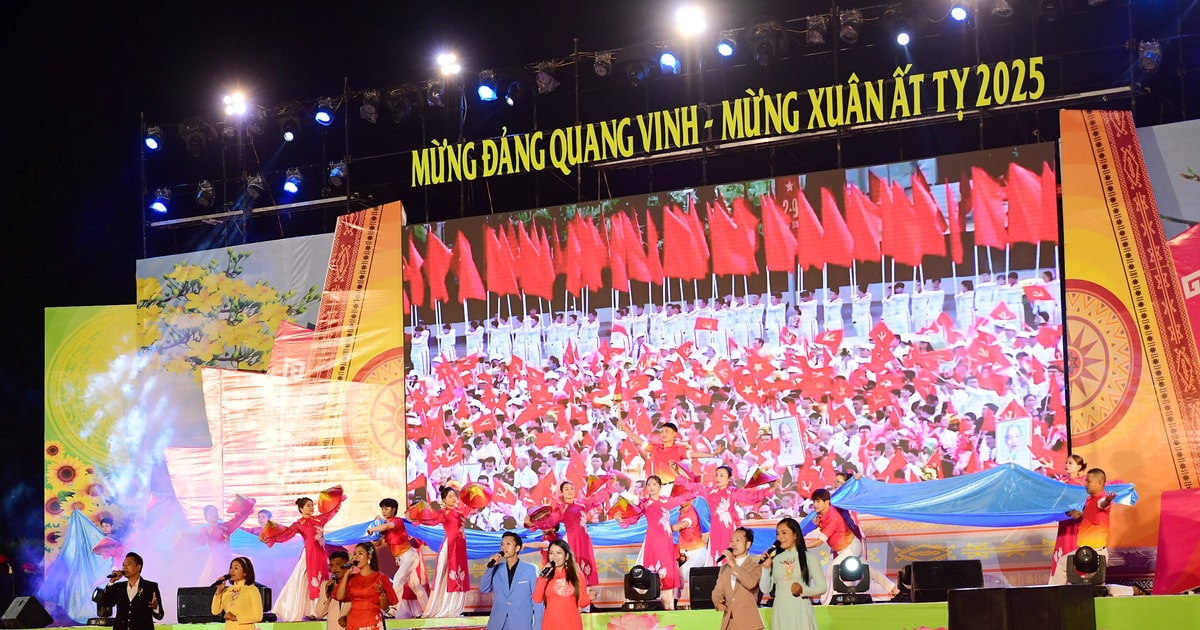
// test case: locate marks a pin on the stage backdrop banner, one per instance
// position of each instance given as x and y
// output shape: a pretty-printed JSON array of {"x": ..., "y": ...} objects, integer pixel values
[
  {"x": 1132, "y": 361},
  {"x": 1185, "y": 249}
]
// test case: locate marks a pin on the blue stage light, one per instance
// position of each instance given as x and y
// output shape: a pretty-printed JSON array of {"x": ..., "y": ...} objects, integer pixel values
[
  {"x": 903, "y": 38},
  {"x": 324, "y": 112},
  {"x": 154, "y": 138},
  {"x": 291, "y": 184},
  {"x": 725, "y": 48},
  {"x": 162, "y": 200},
  {"x": 669, "y": 62},
  {"x": 337, "y": 173},
  {"x": 958, "y": 12},
  {"x": 487, "y": 86}
]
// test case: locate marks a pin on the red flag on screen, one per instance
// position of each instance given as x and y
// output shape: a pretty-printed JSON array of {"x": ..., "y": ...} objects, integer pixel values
[
  {"x": 929, "y": 220},
  {"x": 1024, "y": 204},
  {"x": 747, "y": 225},
  {"x": 653, "y": 258},
  {"x": 700, "y": 256},
  {"x": 988, "y": 207},
  {"x": 414, "y": 283},
  {"x": 501, "y": 278},
  {"x": 863, "y": 225},
  {"x": 810, "y": 236},
  {"x": 470, "y": 285},
  {"x": 838, "y": 243},
  {"x": 1036, "y": 293},
  {"x": 1048, "y": 217},
  {"x": 778, "y": 240},
  {"x": 437, "y": 265},
  {"x": 955, "y": 221}
]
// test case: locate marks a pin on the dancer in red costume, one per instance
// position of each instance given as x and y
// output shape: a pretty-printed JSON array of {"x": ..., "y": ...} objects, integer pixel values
[
  {"x": 1068, "y": 530},
  {"x": 368, "y": 591},
  {"x": 572, "y": 513},
  {"x": 216, "y": 533},
  {"x": 661, "y": 455},
  {"x": 395, "y": 537},
  {"x": 562, "y": 589},
  {"x": 451, "y": 581},
  {"x": 658, "y": 550},
  {"x": 297, "y": 599},
  {"x": 723, "y": 500}
]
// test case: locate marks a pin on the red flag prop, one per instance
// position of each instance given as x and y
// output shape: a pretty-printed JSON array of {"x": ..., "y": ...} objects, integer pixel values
[
  {"x": 810, "y": 236},
  {"x": 988, "y": 208},
  {"x": 653, "y": 259},
  {"x": 470, "y": 285},
  {"x": 1047, "y": 231},
  {"x": 501, "y": 277},
  {"x": 863, "y": 225},
  {"x": 414, "y": 283},
  {"x": 956, "y": 246},
  {"x": 930, "y": 223},
  {"x": 838, "y": 243},
  {"x": 1037, "y": 293},
  {"x": 700, "y": 256},
  {"x": 437, "y": 265},
  {"x": 747, "y": 224},
  {"x": 778, "y": 240}
]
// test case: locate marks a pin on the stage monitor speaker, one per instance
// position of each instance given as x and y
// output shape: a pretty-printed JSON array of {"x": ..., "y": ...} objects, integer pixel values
[
  {"x": 1070, "y": 607},
  {"x": 25, "y": 612},
  {"x": 978, "y": 609},
  {"x": 701, "y": 582},
  {"x": 195, "y": 602},
  {"x": 932, "y": 580}
]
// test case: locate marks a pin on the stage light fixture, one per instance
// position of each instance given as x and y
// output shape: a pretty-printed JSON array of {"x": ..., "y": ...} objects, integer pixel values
[
  {"x": 324, "y": 112},
  {"x": 690, "y": 20},
  {"x": 292, "y": 181},
  {"x": 850, "y": 577},
  {"x": 899, "y": 24},
  {"x": 668, "y": 62},
  {"x": 727, "y": 45},
  {"x": 256, "y": 185},
  {"x": 435, "y": 95},
  {"x": 1051, "y": 10},
  {"x": 514, "y": 93},
  {"x": 603, "y": 64},
  {"x": 814, "y": 35},
  {"x": 235, "y": 104},
  {"x": 153, "y": 138},
  {"x": 229, "y": 132},
  {"x": 1087, "y": 566},
  {"x": 256, "y": 120},
  {"x": 636, "y": 72},
  {"x": 1149, "y": 56},
  {"x": 544, "y": 77},
  {"x": 850, "y": 26},
  {"x": 642, "y": 590},
  {"x": 369, "y": 110},
  {"x": 289, "y": 117},
  {"x": 196, "y": 135},
  {"x": 1002, "y": 9},
  {"x": 448, "y": 64},
  {"x": 958, "y": 12},
  {"x": 338, "y": 173},
  {"x": 162, "y": 200},
  {"x": 205, "y": 194},
  {"x": 401, "y": 100},
  {"x": 487, "y": 86},
  {"x": 767, "y": 41}
]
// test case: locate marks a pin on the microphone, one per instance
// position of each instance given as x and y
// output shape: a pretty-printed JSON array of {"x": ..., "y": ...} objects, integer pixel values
[
  {"x": 548, "y": 571},
  {"x": 722, "y": 557},
  {"x": 116, "y": 574},
  {"x": 220, "y": 580},
  {"x": 346, "y": 566},
  {"x": 770, "y": 552},
  {"x": 492, "y": 562}
]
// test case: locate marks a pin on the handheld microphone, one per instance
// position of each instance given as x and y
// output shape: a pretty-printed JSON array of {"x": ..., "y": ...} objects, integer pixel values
[
  {"x": 492, "y": 562},
  {"x": 722, "y": 558},
  {"x": 346, "y": 566},
  {"x": 770, "y": 552},
  {"x": 220, "y": 580},
  {"x": 548, "y": 571},
  {"x": 116, "y": 574}
]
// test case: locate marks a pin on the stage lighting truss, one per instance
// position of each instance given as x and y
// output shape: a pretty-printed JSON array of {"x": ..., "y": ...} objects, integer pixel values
[
  {"x": 162, "y": 200},
  {"x": 768, "y": 41},
  {"x": 814, "y": 34},
  {"x": 1002, "y": 9},
  {"x": 401, "y": 100},
  {"x": 513, "y": 94},
  {"x": 369, "y": 110},
  {"x": 323, "y": 113},
  {"x": 256, "y": 185},
  {"x": 205, "y": 194},
  {"x": 850, "y": 578},
  {"x": 850, "y": 26},
  {"x": 603, "y": 64},
  {"x": 487, "y": 86},
  {"x": 544, "y": 77},
  {"x": 154, "y": 138},
  {"x": 256, "y": 120},
  {"x": 1149, "y": 56},
  {"x": 196, "y": 134},
  {"x": 637, "y": 72},
  {"x": 289, "y": 117},
  {"x": 727, "y": 45},
  {"x": 292, "y": 181},
  {"x": 337, "y": 173}
]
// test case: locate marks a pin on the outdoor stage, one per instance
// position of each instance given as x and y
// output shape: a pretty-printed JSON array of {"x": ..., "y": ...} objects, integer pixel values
[{"x": 1126, "y": 613}]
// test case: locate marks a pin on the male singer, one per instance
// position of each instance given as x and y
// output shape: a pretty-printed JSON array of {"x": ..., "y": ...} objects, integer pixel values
[
  {"x": 736, "y": 592},
  {"x": 512, "y": 590},
  {"x": 137, "y": 601},
  {"x": 332, "y": 610}
]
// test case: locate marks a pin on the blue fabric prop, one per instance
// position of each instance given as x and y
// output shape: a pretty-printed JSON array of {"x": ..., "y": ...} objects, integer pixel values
[{"x": 76, "y": 571}]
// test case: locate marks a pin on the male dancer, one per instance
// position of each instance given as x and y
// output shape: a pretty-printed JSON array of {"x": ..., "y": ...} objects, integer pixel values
[
  {"x": 842, "y": 543},
  {"x": 660, "y": 456},
  {"x": 395, "y": 536},
  {"x": 1093, "y": 529}
]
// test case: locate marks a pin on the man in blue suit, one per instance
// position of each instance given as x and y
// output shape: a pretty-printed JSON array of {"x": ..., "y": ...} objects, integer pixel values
[{"x": 510, "y": 581}]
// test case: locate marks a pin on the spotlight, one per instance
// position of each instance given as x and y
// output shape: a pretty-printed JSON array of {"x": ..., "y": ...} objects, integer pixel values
[
  {"x": 162, "y": 200},
  {"x": 603, "y": 64},
  {"x": 1051, "y": 10},
  {"x": 292, "y": 181},
  {"x": 448, "y": 64},
  {"x": 229, "y": 132},
  {"x": 256, "y": 186},
  {"x": 487, "y": 86},
  {"x": 205, "y": 194},
  {"x": 850, "y": 577},
  {"x": 256, "y": 121},
  {"x": 1087, "y": 566},
  {"x": 727, "y": 45},
  {"x": 196, "y": 135},
  {"x": 690, "y": 20},
  {"x": 324, "y": 112},
  {"x": 637, "y": 72},
  {"x": 767, "y": 41},
  {"x": 546, "y": 83},
  {"x": 289, "y": 117},
  {"x": 435, "y": 96},
  {"x": 1149, "y": 56},
  {"x": 235, "y": 104},
  {"x": 814, "y": 35},
  {"x": 900, "y": 26},
  {"x": 401, "y": 101},
  {"x": 668, "y": 62},
  {"x": 338, "y": 173},
  {"x": 369, "y": 110},
  {"x": 642, "y": 590},
  {"x": 850, "y": 25},
  {"x": 1002, "y": 9},
  {"x": 902, "y": 36},
  {"x": 153, "y": 138},
  {"x": 958, "y": 12},
  {"x": 514, "y": 93}
]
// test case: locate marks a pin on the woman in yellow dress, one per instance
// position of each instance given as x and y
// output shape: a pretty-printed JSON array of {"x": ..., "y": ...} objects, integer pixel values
[{"x": 239, "y": 600}]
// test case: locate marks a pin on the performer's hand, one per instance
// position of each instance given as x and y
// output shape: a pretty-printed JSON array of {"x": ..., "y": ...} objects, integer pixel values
[
  {"x": 1110, "y": 497},
  {"x": 154, "y": 602},
  {"x": 342, "y": 621},
  {"x": 766, "y": 565},
  {"x": 379, "y": 588},
  {"x": 796, "y": 590},
  {"x": 221, "y": 587},
  {"x": 1075, "y": 514},
  {"x": 497, "y": 558},
  {"x": 720, "y": 606},
  {"x": 230, "y": 617},
  {"x": 728, "y": 555}
]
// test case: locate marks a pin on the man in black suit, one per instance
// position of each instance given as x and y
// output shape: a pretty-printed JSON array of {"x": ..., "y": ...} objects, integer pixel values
[{"x": 137, "y": 601}]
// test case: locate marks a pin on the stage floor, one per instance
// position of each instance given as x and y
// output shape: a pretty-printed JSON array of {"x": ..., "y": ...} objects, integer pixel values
[{"x": 1125, "y": 613}]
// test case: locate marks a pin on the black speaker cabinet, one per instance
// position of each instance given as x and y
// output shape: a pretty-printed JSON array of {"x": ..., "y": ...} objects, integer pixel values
[
  {"x": 195, "y": 602},
  {"x": 701, "y": 583},
  {"x": 933, "y": 579},
  {"x": 25, "y": 612},
  {"x": 1070, "y": 607}
]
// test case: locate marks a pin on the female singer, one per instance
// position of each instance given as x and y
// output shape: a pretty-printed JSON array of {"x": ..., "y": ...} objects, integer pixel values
[
  {"x": 451, "y": 580},
  {"x": 572, "y": 513},
  {"x": 1068, "y": 530},
  {"x": 796, "y": 576},
  {"x": 298, "y": 596},
  {"x": 368, "y": 591},
  {"x": 561, "y": 589},
  {"x": 241, "y": 602},
  {"x": 658, "y": 550},
  {"x": 723, "y": 501}
]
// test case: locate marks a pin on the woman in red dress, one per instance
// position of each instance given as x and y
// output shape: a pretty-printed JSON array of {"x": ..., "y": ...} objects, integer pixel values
[
  {"x": 368, "y": 591},
  {"x": 1064, "y": 543},
  {"x": 451, "y": 581},
  {"x": 298, "y": 597},
  {"x": 658, "y": 550},
  {"x": 561, "y": 588},
  {"x": 572, "y": 513}
]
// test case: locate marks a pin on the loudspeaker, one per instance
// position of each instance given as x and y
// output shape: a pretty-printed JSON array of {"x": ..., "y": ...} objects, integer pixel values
[
  {"x": 1070, "y": 607},
  {"x": 932, "y": 580},
  {"x": 195, "y": 602},
  {"x": 701, "y": 582},
  {"x": 26, "y": 612}
]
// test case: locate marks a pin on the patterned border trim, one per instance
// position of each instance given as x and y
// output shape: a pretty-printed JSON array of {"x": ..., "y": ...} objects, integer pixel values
[{"x": 345, "y": 291}]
